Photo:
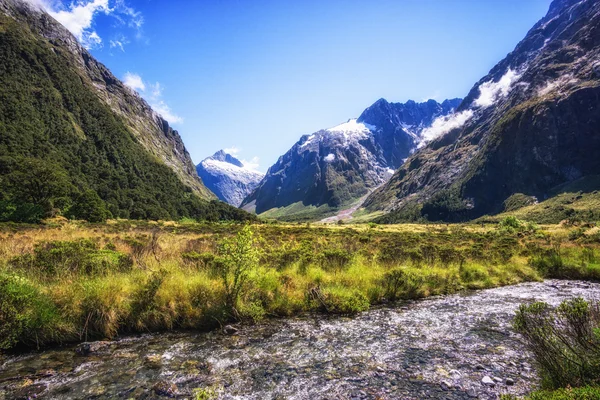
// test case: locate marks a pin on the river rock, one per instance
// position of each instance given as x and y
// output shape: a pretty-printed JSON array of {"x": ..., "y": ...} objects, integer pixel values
[
  {"x": 87, "y": 348},
  {"x": 446, "y": 385},
  {"x": 28, "y": 392},
  {"x": 152, "y": 361},
  {"x": 164, "y": 388},
  {"x": 509, "y": 381},
  {"x": 486, "y": 380},
  {"x": 230, "y": 330}
]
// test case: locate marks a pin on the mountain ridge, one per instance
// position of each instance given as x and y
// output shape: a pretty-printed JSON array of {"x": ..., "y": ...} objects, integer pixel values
[
  {"x": 332, "y": 167},
  {"x": 227, "y": 177},
  {"x": 529, "y": 125}
]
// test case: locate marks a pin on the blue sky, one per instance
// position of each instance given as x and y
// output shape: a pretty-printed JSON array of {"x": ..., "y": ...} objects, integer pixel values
[{"x": 255, "y": 75}]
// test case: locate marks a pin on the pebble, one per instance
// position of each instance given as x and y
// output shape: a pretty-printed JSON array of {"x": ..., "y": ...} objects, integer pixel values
[
  {"x": 509, "y": 381},
  {"x": 164, "y": 388},
  {"x": 230, "y": 330},
  {"x": 486, "y": 380},
  {"x": 446, "y": 385}
]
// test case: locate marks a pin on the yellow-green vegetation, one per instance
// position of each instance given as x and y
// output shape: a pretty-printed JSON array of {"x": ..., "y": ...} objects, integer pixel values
[
  {"x": 575, "y": 202},
  {"x": 70, "y": 281},
  {"x": 584, "y": 393},
  {"x": 299, "y": 212}
]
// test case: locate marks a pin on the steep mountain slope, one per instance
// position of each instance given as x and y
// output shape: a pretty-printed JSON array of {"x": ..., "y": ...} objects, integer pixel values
[
  {"x": 74, "y": 139},
  {"x": 149, "y": 128},
  {"x": 334, "y": 167},
  {"x": 531, "y": 124},
  {"x": 227, "y": 177}
]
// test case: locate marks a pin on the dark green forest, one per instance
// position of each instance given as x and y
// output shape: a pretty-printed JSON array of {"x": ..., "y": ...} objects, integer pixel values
[{"x": 64, "y": 152}]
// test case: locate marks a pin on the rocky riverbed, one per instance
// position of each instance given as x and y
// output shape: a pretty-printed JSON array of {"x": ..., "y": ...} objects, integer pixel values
[{"x": 450, "y": 347}]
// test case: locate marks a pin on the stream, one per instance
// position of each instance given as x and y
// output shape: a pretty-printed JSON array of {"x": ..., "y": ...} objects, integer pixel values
[{"x": 439, "y": 348}]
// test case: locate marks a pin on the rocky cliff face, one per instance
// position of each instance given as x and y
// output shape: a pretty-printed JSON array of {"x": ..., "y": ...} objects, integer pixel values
[
  {"x": 227, "y": 177},
  {"x": 337, "y": 166},
  {"x": 149, "y": 128},
  {"x": 531, "y": 124}
]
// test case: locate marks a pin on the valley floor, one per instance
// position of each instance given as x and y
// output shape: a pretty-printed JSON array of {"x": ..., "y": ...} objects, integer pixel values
[{"x": 67, "y": 281}]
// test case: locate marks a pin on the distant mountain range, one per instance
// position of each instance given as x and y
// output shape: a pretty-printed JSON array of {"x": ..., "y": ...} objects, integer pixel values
[
  {"x": 529, "y": 126},
  {"x": 334, "y": 167},
  {"x": 227, "y": 177}
]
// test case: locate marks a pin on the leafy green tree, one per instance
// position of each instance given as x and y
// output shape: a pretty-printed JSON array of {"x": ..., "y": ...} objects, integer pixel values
[
  {"x": 37, "y": 181},
  {"x": 90, "y": 207}
]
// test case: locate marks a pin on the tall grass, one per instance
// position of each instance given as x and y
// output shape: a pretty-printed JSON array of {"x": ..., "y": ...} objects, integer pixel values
[{"x": 69, "y": 282}]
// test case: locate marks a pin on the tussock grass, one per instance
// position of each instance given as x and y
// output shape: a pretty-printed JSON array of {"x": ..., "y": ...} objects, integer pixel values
[{"x": 69, "y": 281}]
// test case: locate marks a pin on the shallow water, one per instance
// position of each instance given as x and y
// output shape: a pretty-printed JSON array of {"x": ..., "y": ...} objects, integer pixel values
[{"x": 435, "y": 348}]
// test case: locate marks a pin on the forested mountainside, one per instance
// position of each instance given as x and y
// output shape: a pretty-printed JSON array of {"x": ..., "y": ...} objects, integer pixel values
[
  {"x": 530, "y": 125},
  {"x": 75, "y": 140}
]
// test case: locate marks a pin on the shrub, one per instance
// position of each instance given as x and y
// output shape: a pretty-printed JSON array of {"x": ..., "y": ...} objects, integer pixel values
[
  {"x": 202, "y": 260},
  {"x": 334, "y": 259},
  {"x": 52, "y": 259},
  {"x": 401, "y": 284},
  {"x": 240, "y": 257},
  {"x": 341, "y": 300},
  {"x": 584, "y": 393},
  {"x": 565, "y": 341},
  {"x": 25, "y": 313},
  {"x": 144, "y": 311},
  {"x": 511, "y": 224}
]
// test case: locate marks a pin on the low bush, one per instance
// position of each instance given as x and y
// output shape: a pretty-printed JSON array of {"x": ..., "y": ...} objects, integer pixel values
[
  {"x": 401, "y": 284},
  {"x": 80, "y": 257},
  {"x": 334, "y": 259},
  {"x": 564, "y": 340},
  {"x": 341, "y": 300},
  {"x": 26, "y": 315}
]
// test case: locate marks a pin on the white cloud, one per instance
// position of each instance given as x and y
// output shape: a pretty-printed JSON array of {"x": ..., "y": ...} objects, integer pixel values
[
  {"x": 437, "y": 96},
  {"x": 329, "y": 157},
  {"x": 233, "y": 150},
  {"x": 152, "y": 92},
  {"x": 490, "y": 92},
  {"x": 119, "y": 41},
  {"x": 79, "y": 16},
  {"x": 134, "y": 81},
  {"x": 78, "y": 19},
  {"x": 253, "y": 164},
  {"x": 165, "y": 111},
  {"x": 445, "y": 124}
]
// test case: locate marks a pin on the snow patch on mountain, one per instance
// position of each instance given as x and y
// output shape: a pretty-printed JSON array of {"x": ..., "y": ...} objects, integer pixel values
[
  {"x": 228, "y": 177},
  {"x": 352, "y": 127}
]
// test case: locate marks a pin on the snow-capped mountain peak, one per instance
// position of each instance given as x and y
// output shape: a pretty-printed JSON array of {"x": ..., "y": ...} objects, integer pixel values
[{"x": 228, "y": 177}]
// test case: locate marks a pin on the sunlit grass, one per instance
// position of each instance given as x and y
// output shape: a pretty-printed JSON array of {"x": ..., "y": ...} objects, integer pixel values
[{"x": 172, "y": 280}]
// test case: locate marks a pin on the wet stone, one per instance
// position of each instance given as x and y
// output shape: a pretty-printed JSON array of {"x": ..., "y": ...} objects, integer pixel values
[{"x": 164, "y": 388}]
